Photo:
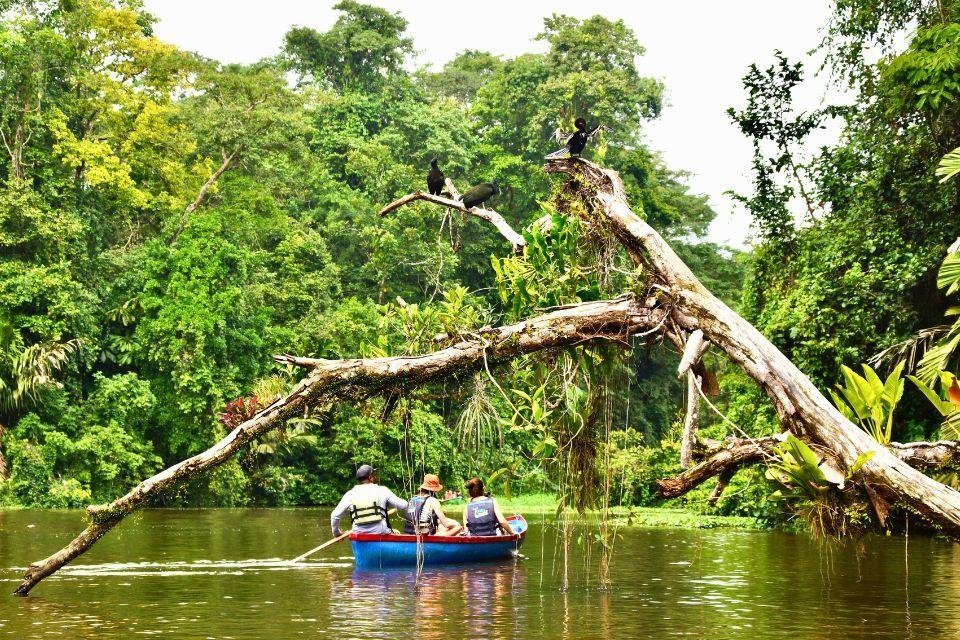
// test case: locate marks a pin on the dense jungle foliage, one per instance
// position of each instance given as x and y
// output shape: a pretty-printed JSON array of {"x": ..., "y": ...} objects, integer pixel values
[{"x": 168, "y": 222}]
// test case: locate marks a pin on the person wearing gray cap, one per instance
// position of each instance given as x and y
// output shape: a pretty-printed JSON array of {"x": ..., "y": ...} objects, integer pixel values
[{"x": 367, "y": 504}]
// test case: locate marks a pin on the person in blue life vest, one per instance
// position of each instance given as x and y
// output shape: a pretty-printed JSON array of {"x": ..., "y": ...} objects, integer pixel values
[
  {"x": 425, "y": 515},
  {"x": 367, "y": 503},
  {"x": 482, "y": 514}
]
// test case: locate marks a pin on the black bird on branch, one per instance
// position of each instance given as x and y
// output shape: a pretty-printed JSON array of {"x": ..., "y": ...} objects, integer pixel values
[
  {"x": 435, "y": 180},
  {"x": 480, "y": 193},
  {"x": 573, "y": 144}
]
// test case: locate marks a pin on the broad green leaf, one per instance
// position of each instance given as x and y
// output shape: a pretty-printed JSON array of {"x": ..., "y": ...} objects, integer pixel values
[
  {"x": 943, "y": 406},
  {"x": 861, "y": 460}
]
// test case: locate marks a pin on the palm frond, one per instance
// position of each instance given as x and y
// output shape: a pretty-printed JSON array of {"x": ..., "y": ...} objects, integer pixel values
[
  {"x": 936, "y": 358},
  {"x": 910, "y": 350},
  {"x": 950, "y": 428},
  {"x": 949, "y": 275},
  {"x": 32, "y": 370},
  {"x": 949, "y": 165}
]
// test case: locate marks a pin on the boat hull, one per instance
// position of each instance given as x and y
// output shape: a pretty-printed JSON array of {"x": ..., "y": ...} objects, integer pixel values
[{"x": 381, "y": 550}]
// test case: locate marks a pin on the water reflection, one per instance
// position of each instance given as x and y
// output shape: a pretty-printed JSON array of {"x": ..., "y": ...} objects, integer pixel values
[
  {"x": 189, "y": 574},
  {"x": 479, "y": 601}
]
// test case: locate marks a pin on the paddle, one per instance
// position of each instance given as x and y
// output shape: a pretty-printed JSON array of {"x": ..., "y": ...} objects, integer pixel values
[{"x": 346, "y": 534}]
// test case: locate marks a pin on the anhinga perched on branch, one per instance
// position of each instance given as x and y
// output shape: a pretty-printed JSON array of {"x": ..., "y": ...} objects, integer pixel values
[
  {"x": 574, "y": 143},
  {"x": 480, "y": 193},
  {"x": 435, "y": 179}
]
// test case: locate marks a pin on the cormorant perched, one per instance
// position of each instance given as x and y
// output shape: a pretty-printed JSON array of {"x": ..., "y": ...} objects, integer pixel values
[
  {"x": 434, "y": 178},
  {"x": 576, "y": 142},
  {"x": 480, "y": 193}
]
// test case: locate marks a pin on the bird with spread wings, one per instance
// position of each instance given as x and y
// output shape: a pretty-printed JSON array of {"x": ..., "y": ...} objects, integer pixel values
[{"x": 574, "y": 143}]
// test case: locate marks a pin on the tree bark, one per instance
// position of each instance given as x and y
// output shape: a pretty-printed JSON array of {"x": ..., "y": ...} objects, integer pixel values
[
  {"x": 692, "y": 352},
  {"x": 331, "y": 381},
  {"x": 799, "y": 404},
  {"x": 3, "y": 457}
]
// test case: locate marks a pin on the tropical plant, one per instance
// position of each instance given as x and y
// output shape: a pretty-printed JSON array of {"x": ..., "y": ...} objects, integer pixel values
[
  {"x": 479, "y": 424},
  {"x": 797, "y": 468},
  {"x": 937, "y": 358},
  {"x": 949, "y": 165},
  {"x": 869, "y": 401},
  {"x": 288, "y": 439},
  {"x": 811, "y": 487},
  {"x": 948, "y": 407},
  {"x": 24, "y": 375},
  {"x": 29, "y": 371}
]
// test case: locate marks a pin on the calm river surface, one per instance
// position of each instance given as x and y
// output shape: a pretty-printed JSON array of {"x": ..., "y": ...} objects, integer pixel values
[{"x": 207, "y": 574}]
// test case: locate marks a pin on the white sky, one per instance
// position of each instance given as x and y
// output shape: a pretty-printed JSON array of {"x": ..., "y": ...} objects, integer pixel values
[{"x": 699, "y": 48}]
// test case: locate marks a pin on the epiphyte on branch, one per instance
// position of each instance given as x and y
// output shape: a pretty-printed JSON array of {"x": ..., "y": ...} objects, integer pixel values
[
  {"x": 434, "y": 178},
  {"x": 480, "y": 193}
]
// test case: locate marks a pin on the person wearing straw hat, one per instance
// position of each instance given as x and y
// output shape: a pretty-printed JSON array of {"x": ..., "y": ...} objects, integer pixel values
[{"x": 425, "y": 515}]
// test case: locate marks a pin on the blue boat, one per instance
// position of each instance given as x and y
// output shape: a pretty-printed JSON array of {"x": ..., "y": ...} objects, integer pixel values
[{"x": 380, "y": 550}]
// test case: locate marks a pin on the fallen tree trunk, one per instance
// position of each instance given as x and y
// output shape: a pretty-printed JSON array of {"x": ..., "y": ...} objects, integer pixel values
[
  {"x": 799, "y": 404},
  {"x": 331, "y": 381}
]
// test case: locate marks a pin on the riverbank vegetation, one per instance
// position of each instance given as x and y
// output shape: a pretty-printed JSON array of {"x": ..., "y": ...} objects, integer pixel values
[{"x": 169, "y": 222}]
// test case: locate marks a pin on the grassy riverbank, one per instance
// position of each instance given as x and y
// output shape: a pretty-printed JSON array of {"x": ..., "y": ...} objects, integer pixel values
[{"x": 660, "y": 517}]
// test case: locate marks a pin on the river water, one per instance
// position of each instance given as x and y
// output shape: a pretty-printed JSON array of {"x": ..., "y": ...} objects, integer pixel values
[{"x": 215, "y": 573}]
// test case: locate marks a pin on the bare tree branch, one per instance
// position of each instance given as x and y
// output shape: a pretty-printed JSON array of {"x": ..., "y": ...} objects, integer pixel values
[
  {"x": 515, "y": 239},
  {"x": 212, "y": 180},
  {"x": 691, "y": 421},
  {"x": 694, "y": 349},
  {"x": 727, "y": 459}
]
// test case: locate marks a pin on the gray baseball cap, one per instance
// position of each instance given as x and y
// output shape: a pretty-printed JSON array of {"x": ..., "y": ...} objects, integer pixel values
[{"x": 364, "y": 471}]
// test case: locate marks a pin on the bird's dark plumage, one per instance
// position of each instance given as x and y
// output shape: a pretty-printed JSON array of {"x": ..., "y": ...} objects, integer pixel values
[
  {"x": 576, "y": 142},
  {"x": 480, "y": 193},
  {"x": 434, "y": 178}
]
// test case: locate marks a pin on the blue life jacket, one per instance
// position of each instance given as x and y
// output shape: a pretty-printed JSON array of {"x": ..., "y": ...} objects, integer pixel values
[
  {"x": 481, "y": 517},
  {"x": 425, "y": 526}
]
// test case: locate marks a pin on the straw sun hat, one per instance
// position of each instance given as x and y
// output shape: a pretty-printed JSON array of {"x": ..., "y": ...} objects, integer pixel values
[{"x": 431, "y": 483}]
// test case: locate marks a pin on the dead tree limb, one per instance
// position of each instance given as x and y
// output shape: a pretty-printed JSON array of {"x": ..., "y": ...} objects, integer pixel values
[
  {"x": 799, "y": 404},
  {"x": 515, "y": 239},
  {"x": 693, "y": 350},
  {"x": 451, "y": 188},
  {"x": 726, "y": 460},
  {"x": 691, "y": 421},
  {"x": 332, "y": 381},
  {"x": 928, "y": 455},
  {"x": 722, "y": 481},
  {"x": 228, "y": 160}
]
